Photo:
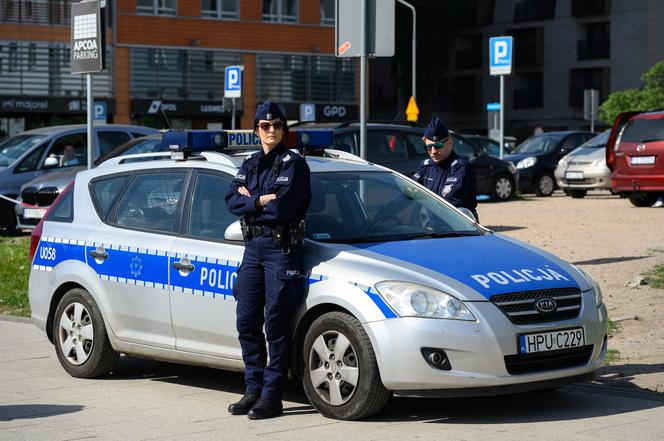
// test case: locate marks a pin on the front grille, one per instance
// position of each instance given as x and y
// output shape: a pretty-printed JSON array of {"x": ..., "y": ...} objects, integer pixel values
[
  {"x": 42, "y": 198},
  {"x": 548, "y": 361},
  {"x": 28, "y": 221},
  {"x": 519, "y": 307},
  {"x": 579, "y": 181}
]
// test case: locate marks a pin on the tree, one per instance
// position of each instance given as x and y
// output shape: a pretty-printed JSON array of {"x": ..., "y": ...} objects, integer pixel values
[{"x": 650, "y": 96}]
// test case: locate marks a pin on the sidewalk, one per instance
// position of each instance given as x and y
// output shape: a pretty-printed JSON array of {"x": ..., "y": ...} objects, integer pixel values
[{"x": 152, "y": 400}]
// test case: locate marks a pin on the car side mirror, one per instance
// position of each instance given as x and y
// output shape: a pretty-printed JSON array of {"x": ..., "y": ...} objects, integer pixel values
[
  {"x": 51, "y": 162},
  {"x": 234, "y": 232},
  {"x": 466, "y": 212}
]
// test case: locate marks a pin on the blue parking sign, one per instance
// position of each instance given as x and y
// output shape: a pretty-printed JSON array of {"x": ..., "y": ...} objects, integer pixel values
[
  {"x": 500, "y": 55},
  {"x": 100, "y": 112},
  {"x": 233, "y": 82}
]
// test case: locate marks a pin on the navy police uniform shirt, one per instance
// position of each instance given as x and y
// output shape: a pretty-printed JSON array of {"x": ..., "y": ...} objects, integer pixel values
[
  {"x": 282, "y": 172},
  {"x": 452, "y": 178}
]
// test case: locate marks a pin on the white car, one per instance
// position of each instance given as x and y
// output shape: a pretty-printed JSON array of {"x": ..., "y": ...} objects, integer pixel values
[
  {"x": 409, "y": 295},
  {"x": 585, "y": 168}
]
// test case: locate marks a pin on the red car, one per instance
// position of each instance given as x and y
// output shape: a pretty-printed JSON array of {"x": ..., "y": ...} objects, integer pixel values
[{"x": 635, "y": 154}]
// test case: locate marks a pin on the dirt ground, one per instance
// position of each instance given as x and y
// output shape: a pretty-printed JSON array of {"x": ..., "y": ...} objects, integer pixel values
[{"x": 615, "y": 242}]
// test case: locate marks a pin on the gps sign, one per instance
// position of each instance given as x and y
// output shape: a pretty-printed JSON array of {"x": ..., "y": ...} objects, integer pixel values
[{"x": 88, "y": 48}]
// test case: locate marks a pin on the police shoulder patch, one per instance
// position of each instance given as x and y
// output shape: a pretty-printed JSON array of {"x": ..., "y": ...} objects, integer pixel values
[
  {"x": 455, "y": 162},
  {"x": 426, "y": 162},
  {"x": 287, "y": 157}
]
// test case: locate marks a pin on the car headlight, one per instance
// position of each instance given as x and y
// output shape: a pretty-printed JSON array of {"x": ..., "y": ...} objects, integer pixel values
[
  {"x": 599, "y": 298},
  {"x": 511, "y": 167},
  {"x": 527, "y": 162},
  {"x": 413, "y": 300}
]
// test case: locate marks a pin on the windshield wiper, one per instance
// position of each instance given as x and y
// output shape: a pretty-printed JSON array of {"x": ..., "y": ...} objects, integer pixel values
[
  {"x": 434, "y": 235},
  {"x": 654, "y": 138}
]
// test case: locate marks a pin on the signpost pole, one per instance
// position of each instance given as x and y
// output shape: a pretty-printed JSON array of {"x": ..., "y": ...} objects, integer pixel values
[
  {"x": 90, "y": 119},
  {"x": 502, "y": 114},
  {"x": 233, "y": 117},
  {"x": 363, "y": 82},
  {"x": 414, "y": 44},
  {"x": 593, "y": 93}
]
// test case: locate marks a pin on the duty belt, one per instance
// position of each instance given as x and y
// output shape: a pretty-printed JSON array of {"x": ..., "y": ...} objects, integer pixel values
[{"x": 282, "y": 235}]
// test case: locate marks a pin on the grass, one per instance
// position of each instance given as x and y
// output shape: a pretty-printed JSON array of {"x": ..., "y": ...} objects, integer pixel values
[
  {"x": 612, "y": 355},
  {"x": 14, "y": 273},
  {"x": 655, "y": 277},
  {"x": 614, "y": 328}
]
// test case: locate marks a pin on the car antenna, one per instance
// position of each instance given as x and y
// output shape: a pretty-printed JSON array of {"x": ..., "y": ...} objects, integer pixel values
[
  {"x": 166, "y": 118},
  {"x": 396, "y": 117}
]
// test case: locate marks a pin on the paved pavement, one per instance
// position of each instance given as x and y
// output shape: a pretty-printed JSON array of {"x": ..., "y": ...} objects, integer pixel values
[{"x": 147, "y": 400}]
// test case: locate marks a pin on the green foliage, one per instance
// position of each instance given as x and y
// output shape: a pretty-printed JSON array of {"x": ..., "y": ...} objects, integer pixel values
[
  {"x": 655, "y": 277},
  {"x": 612, "y": 355},
  {"x": 14, "y": 273},
  {"x": 614, "y": 328},
  {"x": 650, "y": 96}
]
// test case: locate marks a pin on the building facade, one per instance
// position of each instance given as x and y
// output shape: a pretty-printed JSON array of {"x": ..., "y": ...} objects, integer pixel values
[{"x": 169, "y": 56}]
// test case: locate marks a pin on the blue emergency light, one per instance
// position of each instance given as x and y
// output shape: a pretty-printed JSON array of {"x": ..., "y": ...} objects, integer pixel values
[
  {"x": 183, "y": 143},
  {"x": 313, "y": 141}
]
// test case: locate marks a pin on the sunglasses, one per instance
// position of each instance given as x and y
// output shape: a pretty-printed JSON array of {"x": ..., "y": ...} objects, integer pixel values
[
  {"x": 265, "y": 126},
  {"x": 437, "y": 145}
]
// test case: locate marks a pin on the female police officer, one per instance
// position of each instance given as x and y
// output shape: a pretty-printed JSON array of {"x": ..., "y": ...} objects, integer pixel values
[{"x": 272, "y": 193}]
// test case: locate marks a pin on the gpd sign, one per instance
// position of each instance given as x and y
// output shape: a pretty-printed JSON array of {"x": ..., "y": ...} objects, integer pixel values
[{"x": 500, "y": 55}]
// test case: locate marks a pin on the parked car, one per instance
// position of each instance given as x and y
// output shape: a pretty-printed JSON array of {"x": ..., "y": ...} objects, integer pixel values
[
  {"x": 635, "y": 154},
  {"x": 585, "y": 168},
  {"x": 140, "y": 258},
  {"x": 537, "y": 157},
  {"x": 490, "y": 145},
  {"x": 400, "y": 147},
  {"x": 36, "y": 152}
]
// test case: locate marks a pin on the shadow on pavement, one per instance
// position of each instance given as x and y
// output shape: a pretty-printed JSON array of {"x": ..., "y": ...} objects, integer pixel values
[
  {"x": 502, "y": 228},
  {"x": 27, "y": 411},
  {"x": 605, "y": 260},
  {"x": 621, "y": 375}
]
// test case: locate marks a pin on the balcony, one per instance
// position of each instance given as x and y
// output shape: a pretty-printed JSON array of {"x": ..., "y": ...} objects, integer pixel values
[
  {"x": 527, "y": 10},
  {"x": 591, "y": 7},
  {"x": 593, "y": 49},
  {"x": 53, "y": 12}
]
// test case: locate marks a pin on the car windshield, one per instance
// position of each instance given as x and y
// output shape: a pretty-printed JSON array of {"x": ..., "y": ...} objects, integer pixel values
[
  {"x": 490, "y": 146},
  {"x": 378, "y": 207},
  {"x": 538, "y": 144},
  {"x": 643, "y": 130},
  {"x": 12, "y": 148},
  {"x": 146, "y": 146},
  {"x": 598, "y": 141}
]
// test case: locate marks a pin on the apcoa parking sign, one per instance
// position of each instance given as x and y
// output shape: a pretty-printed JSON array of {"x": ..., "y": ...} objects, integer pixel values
[
  {"x": 87, "y": 38},
  {"x": 500, "y": 55},
  {"x": 233, "y": 82}
]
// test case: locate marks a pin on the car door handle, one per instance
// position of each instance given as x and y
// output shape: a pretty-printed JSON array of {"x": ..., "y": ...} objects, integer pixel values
[
  {"x": 183, "y": 266},
  {"x": 99, "y": 254}
]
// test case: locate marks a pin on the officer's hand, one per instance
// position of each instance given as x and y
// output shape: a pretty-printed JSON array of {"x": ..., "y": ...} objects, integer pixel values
[
  {"x": 267, "y": 198},
  {"x": 243, "y": 191}
]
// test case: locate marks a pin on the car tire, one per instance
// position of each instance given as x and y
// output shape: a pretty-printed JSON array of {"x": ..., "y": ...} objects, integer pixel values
[
  {"x": 578, "y": 194},
  {"x": 80, "y": 337},
  {"x": 545, "y": 184},
  {"x": 329, "y": 374},
  {"x": 502, "y": 188},
  {"x": 643, "y": 199}
]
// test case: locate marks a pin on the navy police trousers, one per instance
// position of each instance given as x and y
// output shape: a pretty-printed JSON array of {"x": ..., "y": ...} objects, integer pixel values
[{"x": 269, "y": 288}]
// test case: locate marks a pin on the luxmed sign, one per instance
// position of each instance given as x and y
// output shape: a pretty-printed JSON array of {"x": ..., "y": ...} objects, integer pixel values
[{"x": 87, "y": 37}]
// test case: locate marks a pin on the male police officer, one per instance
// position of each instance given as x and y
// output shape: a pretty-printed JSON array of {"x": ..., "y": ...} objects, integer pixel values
[
  {"x": 445, "y": 173},
  {"x": 272, "y": 193}
]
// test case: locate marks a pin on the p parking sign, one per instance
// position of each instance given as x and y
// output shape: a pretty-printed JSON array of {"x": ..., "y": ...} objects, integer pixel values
[
  {"x": 233, "y": 82},
  {"x": 500, "y": 55},
  {"x": 87, "y": 38}
]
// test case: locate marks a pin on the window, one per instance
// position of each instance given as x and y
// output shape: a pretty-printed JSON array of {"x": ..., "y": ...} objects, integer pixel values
[
  {"x": 104, "y": 191},
  {"x": 64, "y": 210},
  {"x": 572, "y": 142},
  {"x": 209, "y": 216},
  {"x": 346, "y": 142},
  {"x": 70, "y": 150},
  {"x": 151, "y": 202},
  {"x": 417, "y": 143},
  {"x": 283, "y": 11},
  {"x": 31, "y": 161},
  {"x": 642, "y": 130},
  {"x": 594, "y": 41},
  {"x": 327, "y": 12},
  {"x": 383, "y": 146},
  {"x": 463, "y": 148},
  {"x": 220, "y": 8},
  {"x": 110, "y": 140},
  {"x": 155, "y": 7}
]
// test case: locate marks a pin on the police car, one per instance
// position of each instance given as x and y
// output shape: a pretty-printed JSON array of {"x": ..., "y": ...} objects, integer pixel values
[{"x": 405, "y": 294}]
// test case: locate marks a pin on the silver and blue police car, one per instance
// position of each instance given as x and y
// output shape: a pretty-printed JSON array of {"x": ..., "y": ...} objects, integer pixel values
[{"x": 405, "y": 294}]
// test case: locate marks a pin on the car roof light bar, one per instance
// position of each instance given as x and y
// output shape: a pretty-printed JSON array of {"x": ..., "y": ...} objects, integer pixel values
[{"x": 184, "y": 143}]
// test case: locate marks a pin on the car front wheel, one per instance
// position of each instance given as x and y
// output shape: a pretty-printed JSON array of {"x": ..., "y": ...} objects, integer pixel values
[
  {"x": 544, "y": 185},
  {"x": 80, "y": 337},
  {"x": 341, "y": 377},
  {"x": 502, "y": 188}
]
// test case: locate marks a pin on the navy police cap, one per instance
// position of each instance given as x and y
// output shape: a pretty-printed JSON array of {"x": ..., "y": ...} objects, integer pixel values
[
  {"x": 436, "y": 130},
  {"x": 269, "y": 110}
]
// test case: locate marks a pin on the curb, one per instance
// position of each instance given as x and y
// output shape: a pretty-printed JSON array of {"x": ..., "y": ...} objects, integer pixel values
[{"x": 11, "y": 318}]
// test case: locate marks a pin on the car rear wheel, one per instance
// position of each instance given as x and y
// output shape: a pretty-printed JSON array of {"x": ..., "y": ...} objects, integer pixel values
[
  {"x": 80, "y": 337},
  {"x": 544, "y": 184},
  {"x": 502, "y": 188},
  {"x": 341, "y": 377},
  {"x": 643, "y": 199},
  {"x": 578, "y": 194}
]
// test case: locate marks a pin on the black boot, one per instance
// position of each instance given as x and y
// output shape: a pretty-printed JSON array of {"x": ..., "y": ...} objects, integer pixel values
[
  {"x": 265, "y": 408},
  {"x": 243, "y": 406}
]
